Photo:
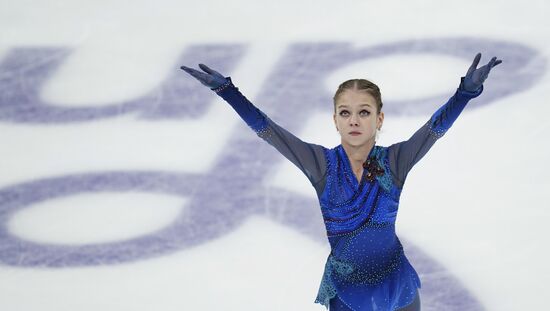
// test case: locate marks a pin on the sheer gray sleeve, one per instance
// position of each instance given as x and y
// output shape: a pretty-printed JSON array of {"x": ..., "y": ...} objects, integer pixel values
[
  {"x": 308, "y": 157},
  {"x": 404, "y": 155}
]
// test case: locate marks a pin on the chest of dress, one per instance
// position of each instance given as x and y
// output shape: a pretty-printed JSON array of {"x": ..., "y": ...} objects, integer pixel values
[{"x": 348, "y": 203}]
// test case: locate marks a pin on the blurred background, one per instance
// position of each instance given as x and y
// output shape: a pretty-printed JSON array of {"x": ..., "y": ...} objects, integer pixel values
[{"x": 125, "y": 184}]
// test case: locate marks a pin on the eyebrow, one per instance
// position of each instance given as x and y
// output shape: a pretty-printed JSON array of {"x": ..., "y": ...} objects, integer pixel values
[{"x": 359, "y": 106}]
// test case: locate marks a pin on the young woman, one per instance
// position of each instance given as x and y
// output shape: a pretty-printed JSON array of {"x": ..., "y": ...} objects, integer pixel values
[{"x": 358, "y": 184}]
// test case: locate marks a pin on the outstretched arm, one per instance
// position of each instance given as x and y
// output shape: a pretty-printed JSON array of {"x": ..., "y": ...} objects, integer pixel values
[
  {"x": 404, "y": 155},
  {"x": 309, "y": 158}
]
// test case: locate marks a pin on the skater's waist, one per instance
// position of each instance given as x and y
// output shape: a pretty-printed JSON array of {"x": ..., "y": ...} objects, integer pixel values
[{"x": 368, "y": 269}]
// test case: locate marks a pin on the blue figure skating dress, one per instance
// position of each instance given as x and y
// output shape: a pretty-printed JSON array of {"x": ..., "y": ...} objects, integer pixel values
[{"x": 367, "y": 268}]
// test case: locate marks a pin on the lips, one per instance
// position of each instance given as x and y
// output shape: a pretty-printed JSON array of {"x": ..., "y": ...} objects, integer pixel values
[{"x": 354, "y": 133}]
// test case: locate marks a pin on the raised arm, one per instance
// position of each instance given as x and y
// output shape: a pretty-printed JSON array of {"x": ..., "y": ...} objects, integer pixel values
[
  {"x": 404, "y": 155},
  {"x": 308, "y": 157}
]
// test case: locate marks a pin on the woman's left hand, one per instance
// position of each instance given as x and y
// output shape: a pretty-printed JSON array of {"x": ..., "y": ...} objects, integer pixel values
[{"x": 476, "y": 76}]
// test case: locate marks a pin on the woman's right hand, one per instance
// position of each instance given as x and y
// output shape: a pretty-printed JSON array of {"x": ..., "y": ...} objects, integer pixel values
[{"x": 211, "y": 78}]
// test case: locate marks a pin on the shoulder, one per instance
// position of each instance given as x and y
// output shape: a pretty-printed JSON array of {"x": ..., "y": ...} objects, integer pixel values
[
  {"x": 380, "y": 152},
  {"x": 387, "y": 179},
  {"x": 331, "y": 153}
]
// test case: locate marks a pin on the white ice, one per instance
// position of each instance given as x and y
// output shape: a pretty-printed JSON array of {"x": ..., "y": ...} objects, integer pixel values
[{"x": 492, "y": 235}]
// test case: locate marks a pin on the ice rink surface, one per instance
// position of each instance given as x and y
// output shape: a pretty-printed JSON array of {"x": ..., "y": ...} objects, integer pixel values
[{"x": 127, "y": 185}]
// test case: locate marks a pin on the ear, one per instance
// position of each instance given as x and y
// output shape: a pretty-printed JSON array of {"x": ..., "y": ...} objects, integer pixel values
[
  {"x": 334, "y": 118},
  {"x": 380, "y": 119}
]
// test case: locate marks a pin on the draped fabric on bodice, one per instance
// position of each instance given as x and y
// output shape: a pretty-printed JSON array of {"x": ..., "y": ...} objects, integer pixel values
[{"x": 346, "y": 203}]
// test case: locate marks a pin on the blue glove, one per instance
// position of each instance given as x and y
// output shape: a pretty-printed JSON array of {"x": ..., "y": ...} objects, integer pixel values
[
  {"x": 211, "y": 78},
  {"x": 256, "y": 119},
  {"x": 476, "y": 76}
]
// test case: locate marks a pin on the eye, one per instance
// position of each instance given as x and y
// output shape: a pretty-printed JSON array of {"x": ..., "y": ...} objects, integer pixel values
[
  {"x": 364, "y": 112},
  {"x": 344, "y": 113}
]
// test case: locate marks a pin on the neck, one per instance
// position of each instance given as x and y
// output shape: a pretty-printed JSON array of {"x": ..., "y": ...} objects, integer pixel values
[{"x": 358, "y": 154}]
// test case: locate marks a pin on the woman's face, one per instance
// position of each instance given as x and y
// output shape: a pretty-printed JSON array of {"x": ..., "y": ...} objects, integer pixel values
[{"x": 356, "y": 112}]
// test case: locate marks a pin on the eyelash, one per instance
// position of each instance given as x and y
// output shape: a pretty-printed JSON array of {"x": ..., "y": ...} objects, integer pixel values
[{"x": 341, "y": 112}]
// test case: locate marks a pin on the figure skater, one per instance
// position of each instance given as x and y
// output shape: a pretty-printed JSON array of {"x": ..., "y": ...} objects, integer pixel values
[{"x": 358, "y": 184}]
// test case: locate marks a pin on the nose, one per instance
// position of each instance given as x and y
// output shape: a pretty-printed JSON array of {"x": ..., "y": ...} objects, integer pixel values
[{"x": 353, "y": 120}]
